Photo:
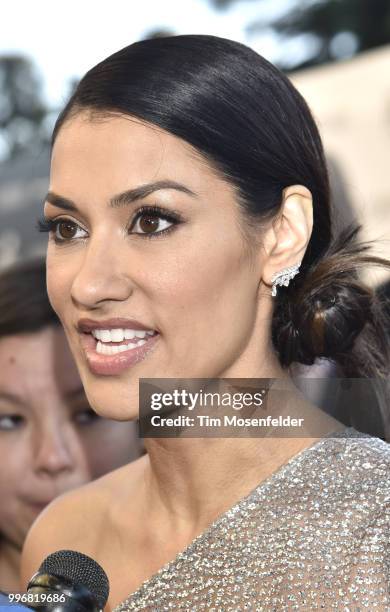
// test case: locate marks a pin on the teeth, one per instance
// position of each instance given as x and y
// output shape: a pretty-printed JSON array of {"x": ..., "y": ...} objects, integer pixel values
[
  {"x": 110, "y": 349},
  {"x": 118, "y": 334},
  {"x": 105, "y": 335},
  {"x": 129, "y": 334},
  {"x": 140, "y": 333}
]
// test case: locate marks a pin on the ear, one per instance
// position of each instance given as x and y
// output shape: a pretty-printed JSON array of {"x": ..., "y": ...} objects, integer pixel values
[{"x": 285, "y": 242}]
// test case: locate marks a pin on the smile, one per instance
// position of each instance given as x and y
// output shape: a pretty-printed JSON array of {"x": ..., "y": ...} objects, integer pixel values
[
  {"x": 111, "y": 350},
  {"x": 108, "y": 340}
]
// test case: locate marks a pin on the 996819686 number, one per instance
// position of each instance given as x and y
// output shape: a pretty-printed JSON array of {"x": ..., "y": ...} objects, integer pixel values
[{"x": 36, "y": 597}]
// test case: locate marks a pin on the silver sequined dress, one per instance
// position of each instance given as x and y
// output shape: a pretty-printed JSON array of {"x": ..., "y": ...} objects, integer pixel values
[{"x": 314, "y": 536}]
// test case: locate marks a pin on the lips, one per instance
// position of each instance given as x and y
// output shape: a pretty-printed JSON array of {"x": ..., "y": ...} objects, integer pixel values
[
  {"x": 113, "y": 364},
  {"x": 88, "y": 325}
]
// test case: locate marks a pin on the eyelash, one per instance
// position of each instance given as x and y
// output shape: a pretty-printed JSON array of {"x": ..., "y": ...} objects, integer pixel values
[
  {"x": 10, "y": 422},
  {"x": 50, "y": 225}
]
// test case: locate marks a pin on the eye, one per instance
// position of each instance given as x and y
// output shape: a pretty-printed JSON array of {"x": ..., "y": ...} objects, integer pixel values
[
  {"x": 63, "y": 230},
  {"x": 86, "y": 417},
  {"x": 154, "y": 220},
  {"x": 150, "y": 224},
  {"x": 68, "y": 230},
  {"x": 8, "y": 422}
]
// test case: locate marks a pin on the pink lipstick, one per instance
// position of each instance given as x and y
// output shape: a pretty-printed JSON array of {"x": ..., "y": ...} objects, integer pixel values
[{"x": 111, "y": 346}]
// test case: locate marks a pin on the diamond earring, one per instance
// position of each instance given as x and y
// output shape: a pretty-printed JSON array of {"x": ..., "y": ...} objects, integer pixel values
[{"x": 283, "y": 277}]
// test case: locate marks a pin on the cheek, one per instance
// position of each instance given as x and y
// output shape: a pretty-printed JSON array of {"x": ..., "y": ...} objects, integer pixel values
[
  {"x": 16, "y": 464},
  {"x": 214, "y": 284},
  {"x": 15, "y": 520},
  {"x": 61, "y": 270}
]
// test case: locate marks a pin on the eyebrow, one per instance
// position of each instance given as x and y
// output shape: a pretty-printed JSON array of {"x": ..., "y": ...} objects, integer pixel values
[
  {"x": 10, "y": 397},
  {"x": 15, "y": 399},
  {"x": 126, "y": 197}
]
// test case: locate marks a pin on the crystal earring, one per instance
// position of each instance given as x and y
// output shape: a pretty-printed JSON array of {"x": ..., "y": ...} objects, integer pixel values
[{"x": 283, "y": 277}]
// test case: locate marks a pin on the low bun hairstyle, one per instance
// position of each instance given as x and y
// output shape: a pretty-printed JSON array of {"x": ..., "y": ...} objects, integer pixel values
[
  {"x": 248, "y": 121},
  {"x": 332, "y": 314}
]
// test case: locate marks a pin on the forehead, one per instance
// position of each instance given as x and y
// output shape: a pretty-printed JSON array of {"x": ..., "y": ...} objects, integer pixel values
[
  {"x": 106, "y": 153},
  {"x": 34, "y": 360}
]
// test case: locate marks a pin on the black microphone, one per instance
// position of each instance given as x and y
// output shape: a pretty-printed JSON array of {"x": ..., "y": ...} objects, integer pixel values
[{"x": 68, "y": 581}]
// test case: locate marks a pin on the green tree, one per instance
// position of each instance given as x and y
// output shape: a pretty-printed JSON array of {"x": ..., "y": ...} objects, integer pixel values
[
  {"x": 339, "y": 27},
  {"x": 22, "y": 110}
]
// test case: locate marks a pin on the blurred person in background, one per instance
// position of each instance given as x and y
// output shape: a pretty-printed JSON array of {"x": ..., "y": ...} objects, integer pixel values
[{"x": 50, "y": 439}]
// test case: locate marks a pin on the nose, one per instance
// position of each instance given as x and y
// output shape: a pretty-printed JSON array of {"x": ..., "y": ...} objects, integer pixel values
[
  {"x": 55, "y": 451},
  {"x": 102, "y": 274}
]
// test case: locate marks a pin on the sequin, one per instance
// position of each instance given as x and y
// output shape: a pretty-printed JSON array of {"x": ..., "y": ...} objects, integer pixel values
[{"x": 314, "y": 536}]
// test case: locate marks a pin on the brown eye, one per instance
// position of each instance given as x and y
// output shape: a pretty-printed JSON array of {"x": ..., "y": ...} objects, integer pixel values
[
  {"x": 148, "y": 224},
  {"x": 66, "y": 230},
  {"x": 9, "y": 422},
  {"x": 152, "y": 223}
]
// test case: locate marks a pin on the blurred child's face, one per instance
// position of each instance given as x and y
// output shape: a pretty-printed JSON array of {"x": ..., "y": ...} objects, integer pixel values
[{"x": 50, "y": 439}]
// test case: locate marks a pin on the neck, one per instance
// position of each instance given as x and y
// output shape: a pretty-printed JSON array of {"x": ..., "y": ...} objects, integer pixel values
[
  {"x": 9, "y": 566},
  {"x": 189, "y": 482}
]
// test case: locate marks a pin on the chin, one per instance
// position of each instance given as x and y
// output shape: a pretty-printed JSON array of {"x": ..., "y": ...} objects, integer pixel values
[{"x": 113, "y": 401}]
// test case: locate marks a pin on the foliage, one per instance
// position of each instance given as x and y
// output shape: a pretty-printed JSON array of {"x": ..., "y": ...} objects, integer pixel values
[
  {"x": 22, "y": 110},
  {"x": 335, "y": 24}
]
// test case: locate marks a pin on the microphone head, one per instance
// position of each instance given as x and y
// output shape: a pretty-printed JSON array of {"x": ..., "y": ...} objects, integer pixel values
[{"x": 80, "y": 569}]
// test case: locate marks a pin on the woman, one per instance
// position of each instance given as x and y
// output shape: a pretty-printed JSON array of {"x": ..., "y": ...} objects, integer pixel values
[
  {"x": 186, "y": 173},
  {"x": 50, "y": 439}
]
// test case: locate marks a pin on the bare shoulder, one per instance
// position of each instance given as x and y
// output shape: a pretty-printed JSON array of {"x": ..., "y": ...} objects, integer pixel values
[{"x": 75, "y": 520}]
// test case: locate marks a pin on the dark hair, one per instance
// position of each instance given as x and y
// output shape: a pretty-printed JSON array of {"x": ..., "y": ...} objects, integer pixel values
[
  {"x": 383, "y": 292},
  {"x": 246, "y": 118},
  {"x": 24, "y": 304}
]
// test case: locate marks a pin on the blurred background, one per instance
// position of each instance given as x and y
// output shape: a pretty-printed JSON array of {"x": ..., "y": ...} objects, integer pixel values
[{"x": 337, "y": 52}]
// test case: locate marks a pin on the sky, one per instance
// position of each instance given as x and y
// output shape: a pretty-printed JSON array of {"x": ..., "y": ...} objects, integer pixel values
[{"x": 65, "y": 39}]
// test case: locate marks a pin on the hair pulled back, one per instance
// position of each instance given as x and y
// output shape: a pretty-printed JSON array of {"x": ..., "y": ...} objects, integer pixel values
[{"x": 247, "y": 119}]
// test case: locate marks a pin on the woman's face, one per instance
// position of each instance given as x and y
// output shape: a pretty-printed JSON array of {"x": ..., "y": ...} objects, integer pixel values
[
  {"x": 50, "y": 440},
  {"x": 146, "y": 238}
]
